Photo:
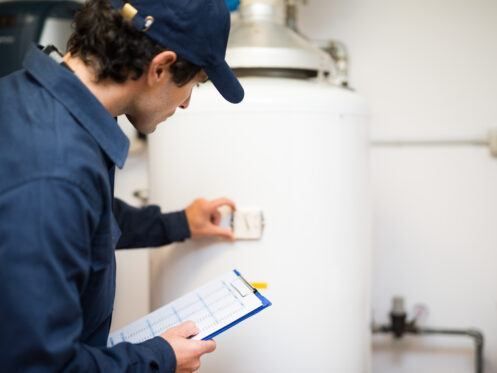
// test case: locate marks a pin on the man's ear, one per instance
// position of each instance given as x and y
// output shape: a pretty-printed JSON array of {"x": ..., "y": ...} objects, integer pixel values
[{"x": 159, "y": 68}]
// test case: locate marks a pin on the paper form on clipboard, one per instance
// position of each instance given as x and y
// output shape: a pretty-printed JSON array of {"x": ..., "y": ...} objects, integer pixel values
[{"x": 214, "y": 308}]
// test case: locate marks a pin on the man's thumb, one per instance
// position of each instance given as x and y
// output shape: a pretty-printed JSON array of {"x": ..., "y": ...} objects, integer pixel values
[
  {"x": 225, "y": 233},
  {"x": 207, "y": 346}
]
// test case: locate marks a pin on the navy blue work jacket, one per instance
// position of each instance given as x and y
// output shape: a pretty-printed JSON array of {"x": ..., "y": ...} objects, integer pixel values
[{"x": 60, "y": 225}]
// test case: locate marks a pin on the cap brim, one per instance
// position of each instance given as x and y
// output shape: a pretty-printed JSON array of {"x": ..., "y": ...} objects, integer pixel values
[{"x": 225, "y": 82}]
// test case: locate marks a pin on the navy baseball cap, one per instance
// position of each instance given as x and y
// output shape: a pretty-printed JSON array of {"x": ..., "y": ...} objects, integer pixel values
[{"x": 197, "y": 30}]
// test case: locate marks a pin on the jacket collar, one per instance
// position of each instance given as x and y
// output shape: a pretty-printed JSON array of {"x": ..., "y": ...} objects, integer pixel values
[{"x": 66, "y": 88}]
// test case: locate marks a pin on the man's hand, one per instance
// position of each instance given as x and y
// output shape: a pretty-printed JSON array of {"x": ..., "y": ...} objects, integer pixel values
[
  {"x": 187, "y": 351},
  {"x": 204, "y": 218}
]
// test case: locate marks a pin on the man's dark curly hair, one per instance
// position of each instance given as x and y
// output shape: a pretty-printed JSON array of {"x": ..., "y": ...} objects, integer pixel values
[{"x": 114, "y": 49}]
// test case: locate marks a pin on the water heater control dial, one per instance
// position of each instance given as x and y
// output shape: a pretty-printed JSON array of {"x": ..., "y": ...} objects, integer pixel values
[{"x": 246, "y": 223}]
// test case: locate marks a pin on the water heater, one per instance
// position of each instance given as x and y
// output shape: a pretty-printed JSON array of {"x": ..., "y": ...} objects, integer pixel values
[{"x": 296, "y": 149}]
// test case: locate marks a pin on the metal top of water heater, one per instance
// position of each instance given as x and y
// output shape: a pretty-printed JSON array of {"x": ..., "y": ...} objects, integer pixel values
[{"x": 260, "y": 40}]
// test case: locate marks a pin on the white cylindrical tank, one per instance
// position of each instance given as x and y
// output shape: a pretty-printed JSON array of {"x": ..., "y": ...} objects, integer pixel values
[{"x": 298, "y": 151}]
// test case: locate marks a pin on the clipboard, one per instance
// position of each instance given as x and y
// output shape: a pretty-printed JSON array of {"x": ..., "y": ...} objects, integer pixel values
[
  {"x": 215, "y": 307},
  {"x": 264, "y": 304}
]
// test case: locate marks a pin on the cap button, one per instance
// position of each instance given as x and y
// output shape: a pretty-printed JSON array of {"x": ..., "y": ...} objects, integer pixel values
[{"x": 128, "y": 12}]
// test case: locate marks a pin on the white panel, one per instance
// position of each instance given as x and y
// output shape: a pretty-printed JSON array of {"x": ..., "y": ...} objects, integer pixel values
[{"x": 298, "y": 151}]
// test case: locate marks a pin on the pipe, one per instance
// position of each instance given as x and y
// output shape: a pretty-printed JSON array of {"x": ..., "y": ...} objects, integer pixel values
[
  {"x": 490, "y": 141},
  {"x": 399, "y": 326},
  {"x": 430, "y": 142},
  {"x": 291, "y": 15},
  {"x": 472, "y": 333},
  {"x": 476, "y": 335}
]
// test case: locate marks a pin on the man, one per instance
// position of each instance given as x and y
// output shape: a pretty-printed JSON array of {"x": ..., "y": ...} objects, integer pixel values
[{"x": 59, "y": 145}]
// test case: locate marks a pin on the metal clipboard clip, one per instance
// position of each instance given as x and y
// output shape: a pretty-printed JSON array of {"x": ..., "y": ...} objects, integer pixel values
[{"x": 242, "y": 286}]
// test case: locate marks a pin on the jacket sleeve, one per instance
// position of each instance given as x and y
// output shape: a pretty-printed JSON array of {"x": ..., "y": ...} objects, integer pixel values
[
  {"x": 45, "y": 260},
  {"x": 148, "y": 227}
]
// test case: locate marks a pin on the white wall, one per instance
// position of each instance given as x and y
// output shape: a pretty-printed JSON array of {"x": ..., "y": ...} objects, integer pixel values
[
  {"x": 428, "y": 70},
  {"x": 427, "y": 67}
]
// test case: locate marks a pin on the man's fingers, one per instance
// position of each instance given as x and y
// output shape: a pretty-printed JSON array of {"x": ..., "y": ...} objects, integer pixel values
[
  {"x": 215, "y": 204},
  {"x": 187, "y": 329},
  {"x": 204, "y": 218}
]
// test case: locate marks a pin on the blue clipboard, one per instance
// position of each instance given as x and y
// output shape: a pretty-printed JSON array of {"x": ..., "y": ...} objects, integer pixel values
[{"x": 265, "y": 303}]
